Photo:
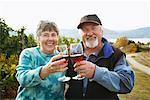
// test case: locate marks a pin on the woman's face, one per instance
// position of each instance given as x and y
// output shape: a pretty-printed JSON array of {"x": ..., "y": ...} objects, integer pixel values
[{"x": 47, "y": 41}]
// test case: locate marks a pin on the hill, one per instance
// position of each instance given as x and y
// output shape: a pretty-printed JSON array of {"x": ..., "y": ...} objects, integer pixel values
[
  {"x": 109, "y": 34},
  {"x": 136, "y": 33}
]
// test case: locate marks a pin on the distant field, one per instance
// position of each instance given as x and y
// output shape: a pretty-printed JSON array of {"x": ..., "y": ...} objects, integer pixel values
[
  {"x": 143, "y": 58},
  {"x": 141, "y": 90}
]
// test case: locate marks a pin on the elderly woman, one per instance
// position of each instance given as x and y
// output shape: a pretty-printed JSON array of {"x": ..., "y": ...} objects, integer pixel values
[{"x": 39, "y": 68}]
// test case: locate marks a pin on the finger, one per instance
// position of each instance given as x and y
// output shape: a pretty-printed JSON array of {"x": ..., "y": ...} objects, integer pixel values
[
  {"x": 62, "y": 69},
  {"x": 59, "y": 56},
  {"x": 81, "y": 67},
  {"x": 58, "y": 62},
  {"x": 61, "y": 66},
  {"x": 81, "y": 71},
  {"x": 83, "y": 62},
  {"x": 76, "y": 64},
  {"x": 82, "y": 75},
  {"x": 57, "y": 68}
]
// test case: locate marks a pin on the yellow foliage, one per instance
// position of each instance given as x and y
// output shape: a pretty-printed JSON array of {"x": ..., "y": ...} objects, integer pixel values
[
  {"x": 121, "y": 42},
  {"x": 133, "y": 47},
  {"x": 2, "y": 58}
]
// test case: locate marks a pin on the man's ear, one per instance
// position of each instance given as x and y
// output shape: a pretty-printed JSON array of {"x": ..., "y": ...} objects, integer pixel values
[{"x": 102, "y": 29}]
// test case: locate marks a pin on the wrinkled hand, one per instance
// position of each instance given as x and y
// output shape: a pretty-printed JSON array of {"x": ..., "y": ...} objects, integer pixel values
[
  {"x": 57, "y": 64},
  {"x": 85, "y": 68}
]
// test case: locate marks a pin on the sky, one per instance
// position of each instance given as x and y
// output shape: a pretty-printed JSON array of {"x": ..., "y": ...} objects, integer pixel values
[{"x": 114, "y": 14}]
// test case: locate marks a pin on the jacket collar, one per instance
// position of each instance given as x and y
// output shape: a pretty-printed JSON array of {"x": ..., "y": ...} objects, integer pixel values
[{"x": 107, "y": 48}]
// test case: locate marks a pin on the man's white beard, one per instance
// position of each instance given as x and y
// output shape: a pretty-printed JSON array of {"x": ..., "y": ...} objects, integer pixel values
[{"x": 92, "y": 43}]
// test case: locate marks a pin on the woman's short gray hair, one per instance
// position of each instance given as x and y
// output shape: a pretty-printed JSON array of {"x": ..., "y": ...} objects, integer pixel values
[{"x": 46, "y": 25}]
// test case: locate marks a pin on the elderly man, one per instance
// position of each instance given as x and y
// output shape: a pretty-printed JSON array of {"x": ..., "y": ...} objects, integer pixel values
[{"x": 105, "y": 69}]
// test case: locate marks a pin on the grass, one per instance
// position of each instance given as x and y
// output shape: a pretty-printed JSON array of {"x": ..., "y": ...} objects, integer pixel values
[
  {"x": 143, "y": 58},
  {"x": 141, "y": 90}
]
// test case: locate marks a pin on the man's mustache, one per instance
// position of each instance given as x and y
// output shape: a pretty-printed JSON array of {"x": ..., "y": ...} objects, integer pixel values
[{"x": 91, "y": 37}]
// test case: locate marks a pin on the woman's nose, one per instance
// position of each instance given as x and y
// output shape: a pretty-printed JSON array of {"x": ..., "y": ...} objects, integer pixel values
[{"x": 50, "y": 38}]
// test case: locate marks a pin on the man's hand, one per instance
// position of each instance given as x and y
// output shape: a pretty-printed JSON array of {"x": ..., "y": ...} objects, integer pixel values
[{"x": 85, "y": 69}]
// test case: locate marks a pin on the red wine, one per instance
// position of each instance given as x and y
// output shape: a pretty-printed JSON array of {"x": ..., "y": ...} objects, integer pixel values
[{"x": 77, "y": 57}]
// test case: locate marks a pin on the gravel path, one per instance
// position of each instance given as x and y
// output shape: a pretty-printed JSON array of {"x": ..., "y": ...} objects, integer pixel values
[{"x": 137, "y": 65}]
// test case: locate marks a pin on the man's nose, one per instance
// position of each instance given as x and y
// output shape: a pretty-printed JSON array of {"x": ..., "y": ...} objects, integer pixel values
[{"x": 89, "y": 33}]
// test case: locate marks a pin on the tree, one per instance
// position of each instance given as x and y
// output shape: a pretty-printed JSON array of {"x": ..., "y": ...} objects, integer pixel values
[
  {"x": 4, "y": 35},
  {"x": 121, "y": 42},
  {"x": 67, "y": 40},
  {"x": 31, "y": 41},
  {"x": 22, "y": 37}
]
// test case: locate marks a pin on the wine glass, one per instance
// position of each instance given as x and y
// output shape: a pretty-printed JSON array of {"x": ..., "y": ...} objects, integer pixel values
[
  {"x": 63, "y": 49},
  {"x": 76, "y": 55}
]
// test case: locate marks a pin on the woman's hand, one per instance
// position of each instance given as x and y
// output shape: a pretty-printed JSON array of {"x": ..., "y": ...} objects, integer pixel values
[{"x": 56, "y": 64}]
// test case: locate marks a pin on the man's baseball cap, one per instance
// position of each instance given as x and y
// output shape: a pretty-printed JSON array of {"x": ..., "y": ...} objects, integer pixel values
[{"x": 93, "y": 18}]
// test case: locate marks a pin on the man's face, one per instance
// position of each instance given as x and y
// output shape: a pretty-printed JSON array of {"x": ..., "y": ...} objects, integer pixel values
[{"x": 91, "y": 34}]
